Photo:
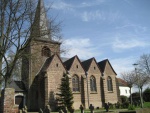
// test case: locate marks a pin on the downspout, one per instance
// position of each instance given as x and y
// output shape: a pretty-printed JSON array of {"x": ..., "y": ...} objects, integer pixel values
[{"x": 87, "y": 88}]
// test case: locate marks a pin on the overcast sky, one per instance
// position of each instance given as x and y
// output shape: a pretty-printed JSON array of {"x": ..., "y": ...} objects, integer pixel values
[{"x": 118, "y": 30}]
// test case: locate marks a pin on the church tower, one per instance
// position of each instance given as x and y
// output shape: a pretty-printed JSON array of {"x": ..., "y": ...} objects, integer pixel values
[{"x": 40, "y": 48}]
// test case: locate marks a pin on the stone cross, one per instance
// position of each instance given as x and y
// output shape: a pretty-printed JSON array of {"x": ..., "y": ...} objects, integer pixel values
[
  {"x": 91, "y": 107},
  {"x": 72, "y": 109},
  {"x": 82, "y": 108},
  {"x": 106, "y": 107},
  {"x": 60, "y": 111},
  {"x": 65, "y": 110},
  {"x": 20, "y": 111},
  {"x": 47, "y": 109},
  {"x": 40, "y": 111}
]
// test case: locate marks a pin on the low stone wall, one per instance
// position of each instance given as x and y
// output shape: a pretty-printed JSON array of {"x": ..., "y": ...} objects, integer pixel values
[{"x": 7, "y": 101}]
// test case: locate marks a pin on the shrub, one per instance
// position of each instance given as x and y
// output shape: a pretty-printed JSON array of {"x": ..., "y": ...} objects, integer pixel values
[
  {"x": 118, "y": 105},
  {"x": 131, "y": 107},
  {"x": 125, "y": 104},
  {"x": 123, "y": 98},
  {"x": 146, "y": 95},
  {"x": 135, "y": 96}
]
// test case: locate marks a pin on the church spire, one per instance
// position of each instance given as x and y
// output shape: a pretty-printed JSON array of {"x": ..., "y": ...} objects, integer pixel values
[{"x": 40, "y": 28}]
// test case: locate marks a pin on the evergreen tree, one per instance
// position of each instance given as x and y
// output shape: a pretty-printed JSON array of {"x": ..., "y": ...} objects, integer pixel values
[{"x": 65, "y": 97}]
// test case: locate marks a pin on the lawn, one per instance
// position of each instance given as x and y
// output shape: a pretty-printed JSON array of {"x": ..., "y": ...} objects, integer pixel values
[
  {"x": 146, "y": 104},
  {"x": 102, "y": 110}
]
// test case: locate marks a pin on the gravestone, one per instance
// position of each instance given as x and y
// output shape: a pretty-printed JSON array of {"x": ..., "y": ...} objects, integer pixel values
[
  {"x": 91, "y": 107},
  {"x": 47, "y": 109},
  {"x": 106, "y": 107},
  {"x": 82, "y": 108}
]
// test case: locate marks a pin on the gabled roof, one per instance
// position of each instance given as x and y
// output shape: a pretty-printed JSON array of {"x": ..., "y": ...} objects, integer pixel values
[
  {"x": 68, "y": 63},
  {"x": 48, "y": 62},
  {"x": 102, "y": 65},
  {"x": 122, "y": 82},
  {"x": 86, "y": 64},
  {"x": 17, "y": 85}
]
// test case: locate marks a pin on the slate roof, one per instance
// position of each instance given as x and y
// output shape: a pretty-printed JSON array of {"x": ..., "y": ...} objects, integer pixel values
[
  {"x": 86, "y": 64},
  {"x": 63, "y": 59},
  {"x": 102, "y": 65},
  {"x": 47, "y": 63},
  {"x": 17, "y": 85},
  {"x": 68, "y": 63},
  {"x": 122, "y": 82}
]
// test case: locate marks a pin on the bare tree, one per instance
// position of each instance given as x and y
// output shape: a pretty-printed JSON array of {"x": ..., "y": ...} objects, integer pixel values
[
  {"x": 129, "y": 77},
  {"x": 16, "y": 24},
  {"x": 141, "y": 80},
  {"x": 142, "y": 71},
  {"x": 144, "y": 63}
]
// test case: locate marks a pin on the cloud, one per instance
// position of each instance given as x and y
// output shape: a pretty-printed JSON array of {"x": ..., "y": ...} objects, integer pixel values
[
  {"x": 120, "y": 44},
  {"x": 100, "y": 15},
  {"x": 91, "y": 3},
  {"x": 81, "y": 47},
  {"x": 136, "y": 28},
  {"x": 60, "y": 5}
]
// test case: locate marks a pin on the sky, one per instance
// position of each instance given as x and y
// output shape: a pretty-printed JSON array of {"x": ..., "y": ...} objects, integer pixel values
[{"x": 118, "y": 30}]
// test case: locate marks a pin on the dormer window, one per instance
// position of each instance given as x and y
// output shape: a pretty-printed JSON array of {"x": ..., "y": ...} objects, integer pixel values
[{"x": 46, "y": 51}]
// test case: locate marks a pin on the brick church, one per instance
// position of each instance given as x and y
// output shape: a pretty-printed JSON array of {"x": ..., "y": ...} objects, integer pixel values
[{"x": 91, "y": 82}]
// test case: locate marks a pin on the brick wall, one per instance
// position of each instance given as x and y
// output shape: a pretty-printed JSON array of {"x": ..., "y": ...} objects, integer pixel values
[
  {"x": 55, "y": 72},
  {"x": 8, "y": 102},
  {"x": 94, "y": 97},
  {"x": 110, "y": 96},
  {"x": 79, "y": 96}
]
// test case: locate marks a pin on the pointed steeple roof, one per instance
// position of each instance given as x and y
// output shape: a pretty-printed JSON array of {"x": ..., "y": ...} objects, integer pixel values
[{"x": 40, "y": 28}]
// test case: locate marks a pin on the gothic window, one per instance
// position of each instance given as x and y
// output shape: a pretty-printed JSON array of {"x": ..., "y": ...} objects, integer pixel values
[
  {"x": 45, "y": 51},
  {"x": 93, "y": 83},
  {"x": 75, "y": 83},
  {"x": 109, "y": 84}
]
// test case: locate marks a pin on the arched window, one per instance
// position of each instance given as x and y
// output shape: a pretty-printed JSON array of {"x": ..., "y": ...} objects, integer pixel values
[
  {"x": 93, "y": 83},
  {"x": 109, "y": 84},
  {"x": 46, "y": 51},
  {"x": 75, "y": 83}
]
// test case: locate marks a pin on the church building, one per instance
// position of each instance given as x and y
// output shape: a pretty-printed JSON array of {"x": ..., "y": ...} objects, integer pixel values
[{"x": 92, "y": 82}]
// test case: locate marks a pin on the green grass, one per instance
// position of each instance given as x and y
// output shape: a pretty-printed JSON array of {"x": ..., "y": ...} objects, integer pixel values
[{"x": 146, "y": 104}]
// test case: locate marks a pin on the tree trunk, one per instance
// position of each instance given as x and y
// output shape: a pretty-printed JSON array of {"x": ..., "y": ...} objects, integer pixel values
[
  {"x": 130, "y": 96},
  {"x": 140, "y": 98}
]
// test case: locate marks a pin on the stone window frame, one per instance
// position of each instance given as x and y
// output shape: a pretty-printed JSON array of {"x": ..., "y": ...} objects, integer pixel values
[
  {"x": 19, "y": 94},
  {"x": 109, "y": 84},
  {"x": 93, "y": 87},
  {"x": 45, "y": 51},
  {"x": 75, "y": 83}
]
